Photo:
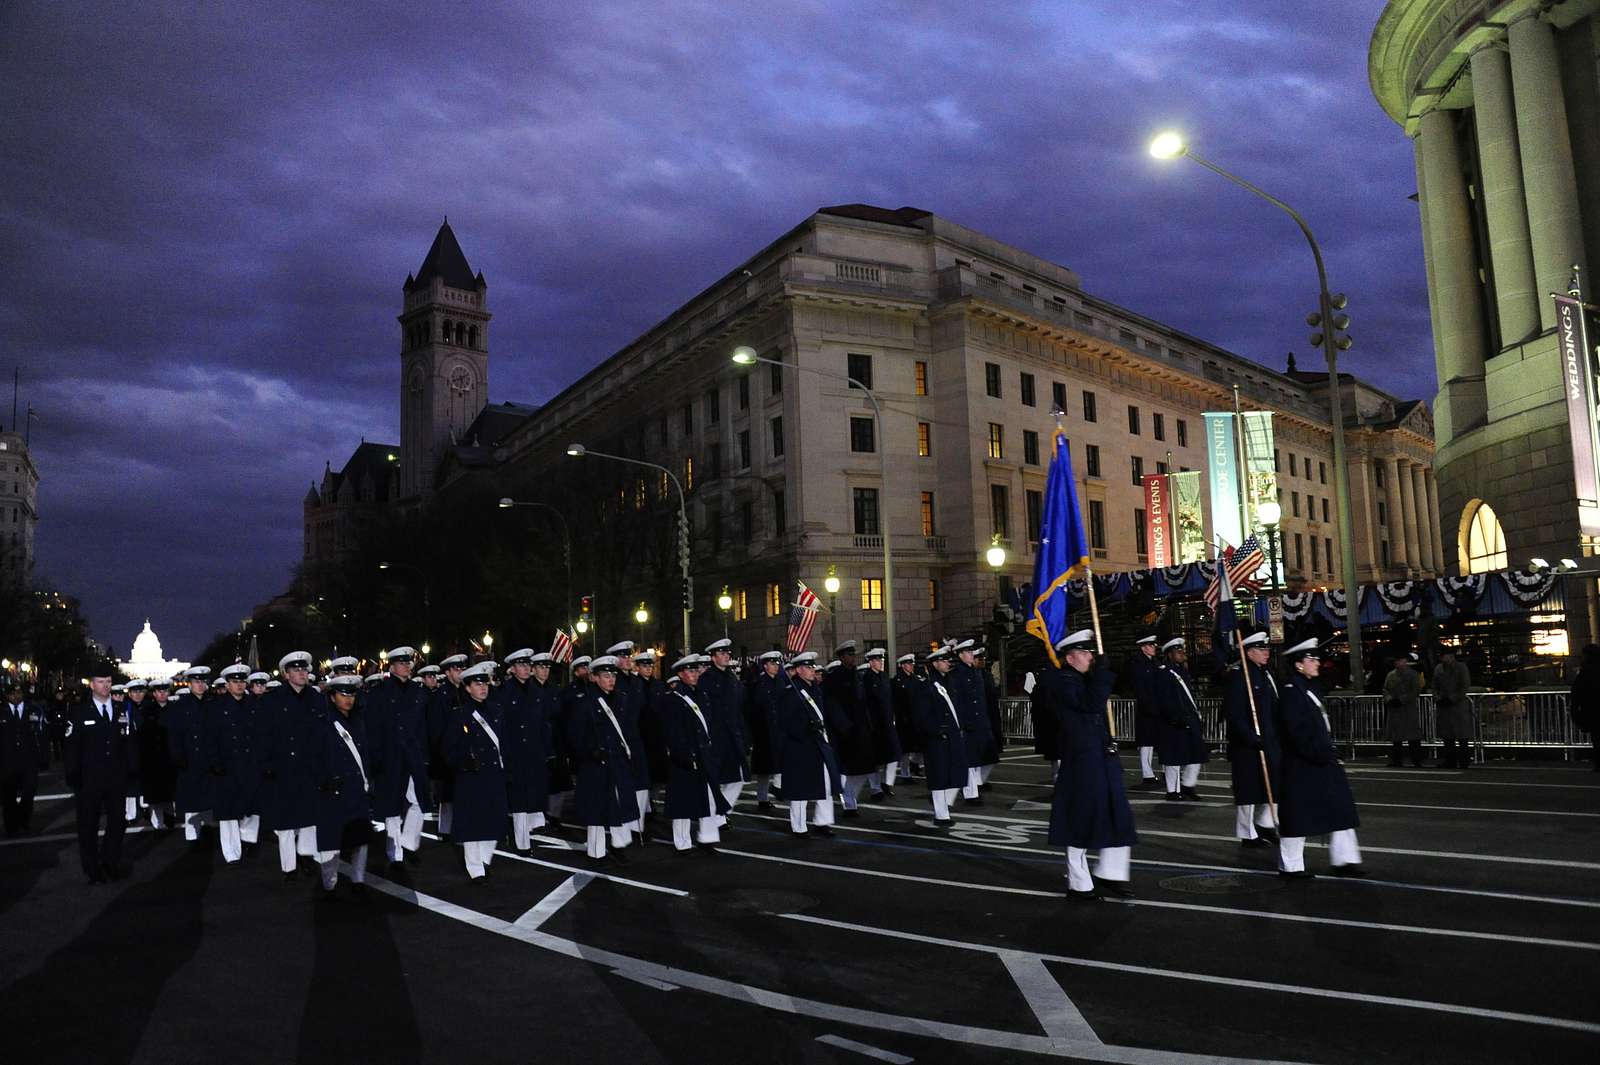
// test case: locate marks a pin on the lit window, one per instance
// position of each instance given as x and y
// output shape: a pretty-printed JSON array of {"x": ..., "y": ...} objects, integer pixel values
[
  {"x": 871, "y": 593},
  {"x": 997, "y": 440},
  {"x": 921, "y": 370},
  {"x": 774, "y": 600},
  {"x": 741, "y": 605},
  {"x": 927, "y": 514},
  {"x": 924, "y": 439},
  {"x": 933, "y": 595},
  {"x": 1483, "y": 542},
  {"x": 688, "y": 474}
]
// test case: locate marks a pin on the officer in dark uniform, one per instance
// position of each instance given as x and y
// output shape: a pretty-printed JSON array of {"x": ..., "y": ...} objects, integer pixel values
[
  {"x": 810, "y": 767},
  {"x": 694, "y": 797},
  {"x": 1182, "y": 741},
  {"x": 441, "y": 705},
  {"x": 289, "y": 717},
  {"x": 973, "y": 709},
  {"x": 722, "y": 700},
  {"x": 761, "y": 725},
  {"x": 397, "y": 728},
  {"x": 230, "y": 736},
  {"x": 944, "y": 740},
  {"x": 604, "y": 798},
  {"x": 991, "y": 704},
  {"x": 1316, "y": 793},
  {"x": 1247, "y": 744},
  {"x": 880, "y": 711},
  {"x": 186, "y": 731},
  {"x": 136, "y": 691},
  {"x": 1146, "y": 708},
  {"x": 473, "y": 745},
  {"x": 524, "y": 739},
  {"x": 341, "y": 765},
  {"x": 562, "y": 767},
  {"x": 101, "y": 755},
  {"x": 629, "y": 703},
  {"x": 903, "y": 689},
  {"x": 24, "y": 750},
  {"x": 156, "y": 773}
]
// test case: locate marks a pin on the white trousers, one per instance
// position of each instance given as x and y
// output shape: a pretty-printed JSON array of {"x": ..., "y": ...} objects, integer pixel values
[
  {"x": 478, "y": 853},
  {"x": 974, "y": 778},
  {"x": 1190, "y": 775},
  {"x": 984, "y": 771},
  {"x": 329, "y": 860},
  {"x": 705, "y": 827},
  {"x": 621, "y": 836},
  {"x": 797, "y": 814},
  {"x": 522, "y": 826},
  {"x": 764, "y": 784},
  {"x": 130, "y": 808},
  {"x": 1147, "y": 758},
  {"x": 1248, "y": 815},
  {"x": 292, "y": 841},
  {"x": 1112, "y": 864},
  {"x": 850, "y": 792},
  {"x": 730, "y": 795},
  {"x": 885, "y": 776},
  {"x": 162, "y": 815},
  {"x": 942, "y": 798},
  {"x": 232, "y": 833},
  {"x": 642, "y": 799},
  {"x": 404, "y": 832},
  {"x": 1342, "y": 850},
  {"x": 446, "y": 818},
  {"x": 192, "y": 822}
]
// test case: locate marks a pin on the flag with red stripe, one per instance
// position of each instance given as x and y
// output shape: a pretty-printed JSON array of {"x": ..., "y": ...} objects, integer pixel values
[
  {"x": 802, "y": 618},
  {"x": 561, "y": 648}
]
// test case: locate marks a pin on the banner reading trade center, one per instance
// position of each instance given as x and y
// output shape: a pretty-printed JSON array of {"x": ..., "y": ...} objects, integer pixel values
[
  {"x": 1158, "y": 519},
  {"x": 1222, "y": 469},
  {"x": 1577, "y": 378}
]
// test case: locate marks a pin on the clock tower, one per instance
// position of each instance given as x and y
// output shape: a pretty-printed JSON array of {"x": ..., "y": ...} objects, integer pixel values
[{"x": 444, "y": 359}]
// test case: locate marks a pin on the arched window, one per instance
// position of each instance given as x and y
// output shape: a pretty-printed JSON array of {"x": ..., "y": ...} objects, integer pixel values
[
  {"x": 446, "y": 335},
  {"x": 1481, "y": 542},
  {"x": 461, "y": 333},
  {"x": 472, "y": 337}
]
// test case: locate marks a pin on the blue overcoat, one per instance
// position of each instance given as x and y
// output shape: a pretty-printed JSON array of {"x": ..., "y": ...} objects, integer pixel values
[
  {"x": 1245, "y": 744},
  {"x": 944, "y": 739},
  {"x": 1316, "y": 795},
  {"x": 1090, "y": 808},
  {"x": 806, "y": 757},
  {"x": 1182, "y": 738},
  {"x": 478, "y": 772}
]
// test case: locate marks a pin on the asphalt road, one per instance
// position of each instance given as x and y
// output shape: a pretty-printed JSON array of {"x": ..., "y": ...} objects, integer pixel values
[{"x": 1477, "y": 939}]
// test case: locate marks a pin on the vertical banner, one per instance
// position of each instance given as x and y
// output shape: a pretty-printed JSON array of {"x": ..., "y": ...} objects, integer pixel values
[
  {"x": 1188, "y": 517},
  {"x": 1577, "y": 379},
  {"x": 1222, "y": 469},
  {"x": 1158, "y": 519},
  {"x": 1263, "y": 477}
]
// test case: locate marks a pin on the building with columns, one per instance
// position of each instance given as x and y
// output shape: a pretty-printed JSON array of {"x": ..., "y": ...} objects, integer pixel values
[
  {"x": 19, "y": 509},
  {"x": 1501, "y": 100}
]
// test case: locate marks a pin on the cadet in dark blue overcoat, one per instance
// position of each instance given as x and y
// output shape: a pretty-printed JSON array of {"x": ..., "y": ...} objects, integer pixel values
[
  {"x": 563, "y": 769},
  {"x": 1181, "y": 743},
  {"x": 1316, "y": 794},
  {"x": 397, "y": 725},
  {"x": 849, "y": 730},
  {"x": 628, "y": 703},
  {"x": 810, "y": 767},
  {"x": 903, "y": 695},
  {"x": 604, "y": 798},
  {"x": 524, "y": 739},
  {"x": 694, "y": 797},
  {"x": 991, "y": 705},
  {"x": 885, "y": 739},
  {"x": 723, "y": 704},
  {"x": 655, "y": 740},
  {"x": 342, "y": 765},
  {"x": 157, "y": 776},
  {"x": 761, "y": 723},
  {"x": 24, "y": 751},
  {"x": 1143, "y": 682},
  {"x": 476, "y": 753},
  {"x": 973, "y": 708},
  {"x": 100, "y": 754},
  {"x": 186, "y": 739},
  {"x": 1247, "y": 744},
  {"x": 288, "y": 716},
  {"x": 231, "y": 735},
  {"x": 1089, "y": 809},
  {"x": 439, "y": 711},
  {"x": 944, "y": 740}
]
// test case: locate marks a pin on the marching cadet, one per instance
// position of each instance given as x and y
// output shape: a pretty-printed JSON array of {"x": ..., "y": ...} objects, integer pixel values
[
  {"x": 628, "y": 703},
  {"x": 695, "y": 798},
  {"x": 100, "y": 754},
  {"x": 289, "y": 720},
  {"x": 849, "y": 719},
  {"x": 524, "y": 736},
  {"x": 644, "y": 665},
  {"x": 1181, "y": 744},
  {"x": 134, "y": 697},
  {"x": 429, "y": 676},
  {"x": 885, "y": 739},
  {"x": 472, "y": 745},
  {"x": 441, "y": 705},
  {"x": 722, "y": 701},
  {"x": 156, "y": 773},
  {"x": 604, "y": 798},
  {"x": 344, "y": 666},
  {"x": 1147, "y": 707},
  {"x": 257, "y": 683},
  {"x": 562, "y": 767},
  {"x": 343, "y": 768},
  {"x": 372, "y": 680},
  {"x": 981, "y": 749},
  {"x": 944, "y": 740},
  {"x": 903, "y": 689},
  {"x": 186, "y": 740},
  {"x": 1253, "y": 821},
  {"x": 761, "y": 723},
  {"x": 1089, "y": 810},
  {"x": 1316, "y": 794},
  {"x": 24, "y": 750},
  {"x": 991, "y": 704},
  {"x": 230, "y": 735},
  {"x": 397, "y": 728},
  {"x": 810, "y": 767}
]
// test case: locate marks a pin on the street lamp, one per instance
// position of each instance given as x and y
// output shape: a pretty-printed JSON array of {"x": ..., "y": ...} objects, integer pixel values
[
  {"x": 579, "y": 451},
  {"x": 724, "y": 604},
  {"x": 744, "y": 355},
  {"x": 641, "y": 616},
  {"x": 996, "y": 555},
  {"x": 830, "y": 584},
  {"x": 566, "y": 538},
  {"x": 488, "y": 642},
  {"x": 1171, "y": 145},
  {"x": 1269, "y": 514}
]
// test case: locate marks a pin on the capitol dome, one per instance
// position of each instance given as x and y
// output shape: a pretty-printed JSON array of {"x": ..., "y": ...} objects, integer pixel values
[{"x": 146, "y": 662}]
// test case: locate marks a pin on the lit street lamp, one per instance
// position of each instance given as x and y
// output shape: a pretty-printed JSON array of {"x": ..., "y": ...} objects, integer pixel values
[
  {"x": 724, "y": 604},
  {"x": 1269, "y": 514},
  {"x": 566, "y": 539},
  {"x": 1330, "y": 320},
  {"x": 830, "y": 584},
  {"x": 641, "y": 615},
  {"x": 996, "y": 555},
  {"x": 579, "y": 451},
  {"x": 746, "y": 356}
]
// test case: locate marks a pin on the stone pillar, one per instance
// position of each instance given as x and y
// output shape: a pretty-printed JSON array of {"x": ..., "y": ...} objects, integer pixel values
[
  {"x": 1366, "y": 523},
  {"x": 1548, "y": 177},
  {"x": 1435, "y": 520},
  {"x": 1419, "y": 495},
  {"x": 1459, "y": 344},
  {"x": 1408, "y": 505},
  {"x": 1510, "y": 248},
  {"x": 1398, "y": 558}
]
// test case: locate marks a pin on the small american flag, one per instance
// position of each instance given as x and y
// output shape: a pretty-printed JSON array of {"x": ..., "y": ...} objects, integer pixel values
[
  {"x": 561, "y": 649},
  {"x": 802, "y": 616},
  {"x": 1241, "y": 563}
]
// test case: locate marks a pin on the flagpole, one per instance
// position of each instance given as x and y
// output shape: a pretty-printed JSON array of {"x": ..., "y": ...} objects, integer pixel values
[
  {"x": 1255, "y": 723},
  {"x": 1099, "y": 647},
  {"x": 1245, "y": 492}
]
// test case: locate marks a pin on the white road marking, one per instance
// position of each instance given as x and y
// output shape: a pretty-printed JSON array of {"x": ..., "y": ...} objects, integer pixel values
[
  {"x": 57, "y": 837},
  {"x": 858, "y": 871},
  {"x": 546, "y": 907},
  {"x": 1229, "y": 981},
  {"x": 647, "y": 981},
  {"x": 515, "y": 857},
  {"x": 861, "y": 1048},
  {"x": 1134, "y": 797},
  {"x": 1050, "y": 1003}
]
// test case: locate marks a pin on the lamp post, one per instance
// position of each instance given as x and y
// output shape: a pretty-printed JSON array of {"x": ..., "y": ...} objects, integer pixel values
[
  {"x": 1330, "y": 338},
  {"x": 996, "y": 557},
  {"x": 830, "y": 584},
  {"x": 579, "y": 451},
  {"x": 566, "y": 541},
  {"x": 746, "y": 356},
  {"x": 724, "y": 604},
  {"x": 1269, "y": 514},
  {"x": 642, "y": 615},
  {"x": 427, "y": 608}
]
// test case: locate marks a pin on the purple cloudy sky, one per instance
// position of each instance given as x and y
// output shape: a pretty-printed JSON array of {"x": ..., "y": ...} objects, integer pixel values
[{"x": 206, "y": 215}]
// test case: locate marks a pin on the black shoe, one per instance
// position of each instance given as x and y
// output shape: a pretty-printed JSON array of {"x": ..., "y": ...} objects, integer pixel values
[
  {"x": 876, "y": 796},
  {"x": 288, "y": 878},
  {"x": 764, "y": 806},
  {"x": 887, "y": 792},
  {"x": 943, "y": 822},
  {"x": 1083, "y": 896},
  {"x": 1190, "y": 794},
  {"x": 849, "y": 813},
  {"x": 1256, "y": 843},
  {"x": 1150, "y": 784},
  {"x": 1351, "y": 872},
  {"x": 358, "y": 892},
  {"x": 329, "y": 894},
  {"x": 1113, "y": 889},
  {"x": 1174, "y": 796},
  {"x": 620, "y": 855},
  {"x": 1268, "y": 834},
  {"x": 801, "y": 834},
  {"x": 825, "y": 830},
  {"x": 973, "y": 802},
  {"x": 1303, "y": 874},
  {"x": 707, "y": 850}
]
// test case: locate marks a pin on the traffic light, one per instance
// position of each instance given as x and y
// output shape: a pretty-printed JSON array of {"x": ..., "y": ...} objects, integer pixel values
[
  {"x": 1337, "y": 322},
  {"x": 585, "y": 605},
  {"x": 1005, "y": 620}
]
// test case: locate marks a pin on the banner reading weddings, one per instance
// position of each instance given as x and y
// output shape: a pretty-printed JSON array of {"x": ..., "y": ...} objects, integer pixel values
[{"x": 1577, "y": 378}]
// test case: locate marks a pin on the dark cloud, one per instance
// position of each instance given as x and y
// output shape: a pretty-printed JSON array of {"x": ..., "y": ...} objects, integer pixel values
[{"x": 208, "y": 211}]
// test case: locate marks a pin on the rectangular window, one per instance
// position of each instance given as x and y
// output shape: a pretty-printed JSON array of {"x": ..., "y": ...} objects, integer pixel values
[
  {"x": 1324, "y": 508},
  {"x": 997, "y": 440},
  {"x": 1000, "y": 511},
  {"x": 933, "y": 594},
  {"x": 744, "y": 392},
  {"x": 1299, "y": 552},
  {"x": 861, "y": 435},
  {"x": 780, "y": 514},
  {"x": 713, "y": 406},
  {"x": 1033, "y": 503},
  {"x": 1327, "y": 544},
  {"x": 715, "y": 461},
  {"x": 866, "y": 511},
  {"x": 747, "y": 522},
  {"x": 1277, "y": 466},
  {"x": 1294, "y": 496},
  {"x": 871, "y": 593},
  {"x": 1383, "y": 552},
  {"x": 1158, "y": 426},
  {"x": 1058, "y": 395},
  {"x": 1133, "y": 419},
  {"x": 928, "y": 524},
  {"x": 860, "y": 367},
  {"x": 991, "y": 379},
  {"x": 688, "y": 473},
  {"x": 924, "y": 439},
  {"x": 1089, "y": 414},
  {"x": 776, "y": 425},
  {"x": 919, "y": 372},
  {"x": 1091, "y": 460},
  {"x": 1030, "y": 447},
  {"x": 1027, "y": 390},
  {"x": 1322, "y": 473},
  {"x": 1379, "y": 471},
  {"x": 688, "y": 419},
  {"x": 741, "y": 605},
  {"x": 661, "y": 485},
  {"x": 1162, "y": 468},
  {"x": 775, "y": 600},
  {"x": 1315, "y": 565},
  {"x": 1097, "y": 525},
  {"x": 1138, "y": 470},
  {"x": 744, "y": 449},
  {"x": 1183, "y": 433},
  {"x": 774, "y": 380},
  {"x": 1293, "y": 472},
  {"x": 1138, "y": 531}
]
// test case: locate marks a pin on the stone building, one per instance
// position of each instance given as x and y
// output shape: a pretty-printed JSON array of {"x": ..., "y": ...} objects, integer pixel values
[
  {"x": 19, "y": 509},
  {"x": 1500, "y": 99}
]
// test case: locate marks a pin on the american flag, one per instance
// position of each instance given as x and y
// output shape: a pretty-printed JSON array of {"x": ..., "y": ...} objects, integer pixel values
[
  {"x": 802, "y": 616},
  {"x": 1241, "y": 563},
  {"x": 561, "y": 649}
]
